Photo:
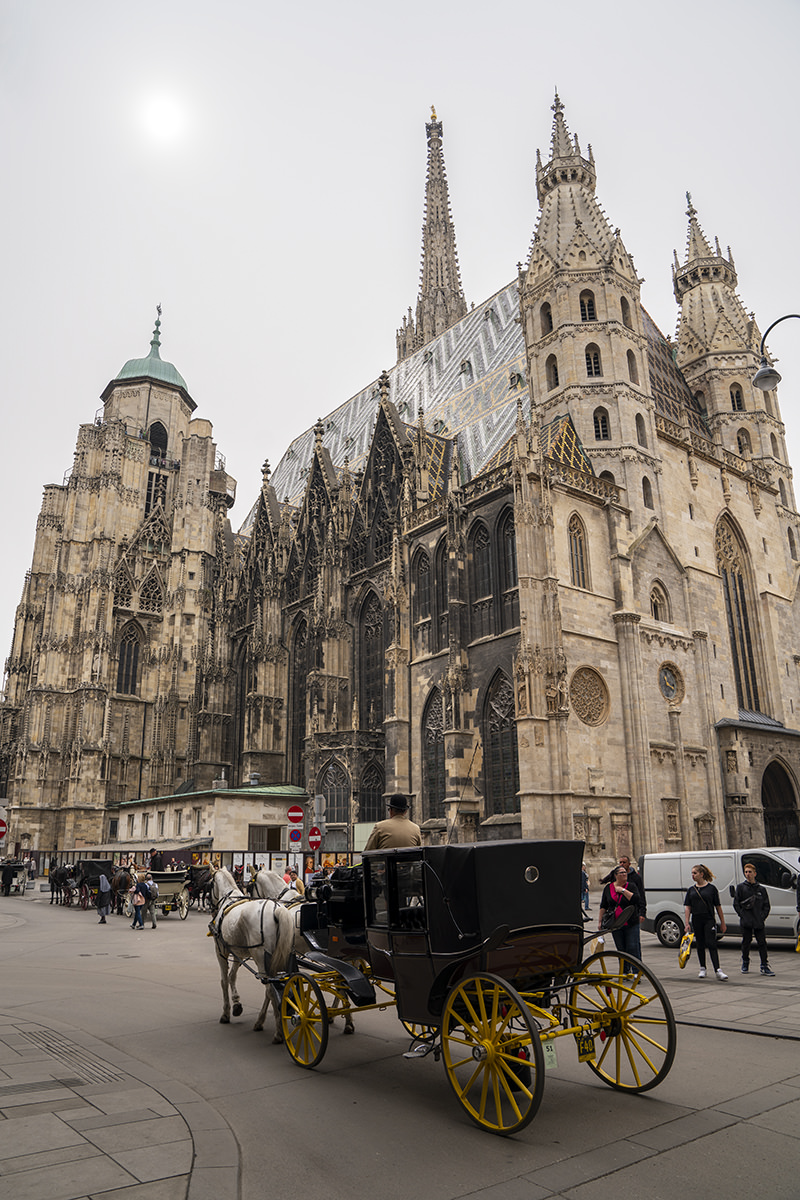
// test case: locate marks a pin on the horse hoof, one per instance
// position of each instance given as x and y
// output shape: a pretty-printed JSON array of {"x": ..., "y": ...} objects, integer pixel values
[
  {"x": 257, "y": 1028},
  {"x": 237, "y": 1010},
  {"x": 224, "y": 1020},
  {"x": 349, "y": 1029},
  {"x": 277, "y": 1040}
]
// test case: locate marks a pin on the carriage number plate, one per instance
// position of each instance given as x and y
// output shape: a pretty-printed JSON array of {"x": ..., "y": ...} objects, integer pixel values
[
  {"x": 549, "y": 1054},
  {"x": 585, "y": 1046}
]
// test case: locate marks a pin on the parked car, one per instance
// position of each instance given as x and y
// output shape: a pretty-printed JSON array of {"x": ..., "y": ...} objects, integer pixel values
[{"x": 667, "y": 878}]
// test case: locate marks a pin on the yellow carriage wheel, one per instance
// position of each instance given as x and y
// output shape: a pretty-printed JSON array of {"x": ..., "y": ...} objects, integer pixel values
[
  {"x": 619, "y": 1001},
  {"x": 304, "y": 1020},
  {"x": 422, "y": 1033},
  {"x": 492, "y": 1054}
]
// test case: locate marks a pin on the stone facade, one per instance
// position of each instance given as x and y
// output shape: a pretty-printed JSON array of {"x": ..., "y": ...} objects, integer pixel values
[{"x": 542, "y": 576}]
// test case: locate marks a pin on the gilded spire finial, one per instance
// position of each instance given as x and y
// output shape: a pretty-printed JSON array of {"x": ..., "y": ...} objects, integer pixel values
[{"x": 433, "y": 113}]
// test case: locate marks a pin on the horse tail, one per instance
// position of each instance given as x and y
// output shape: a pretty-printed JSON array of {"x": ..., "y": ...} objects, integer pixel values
[{"x": 283, "y": 947}]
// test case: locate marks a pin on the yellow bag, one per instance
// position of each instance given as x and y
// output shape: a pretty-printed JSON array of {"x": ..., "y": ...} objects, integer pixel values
[
  {"x": 685, "y": 948},
  {"x": 797, "y": 947}
]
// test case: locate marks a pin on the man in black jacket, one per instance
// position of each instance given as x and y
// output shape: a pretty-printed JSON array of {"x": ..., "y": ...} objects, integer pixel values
[{"x": 752, "y": 908}]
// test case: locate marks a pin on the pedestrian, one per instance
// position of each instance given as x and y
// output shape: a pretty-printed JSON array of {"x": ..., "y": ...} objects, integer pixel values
[
  {"x": 7, "y": 878},
  {"x": 751, "y": 902},
  {"x": 151, "y": 907},
  {"x": 700, "y": 903},
  {"x": 585, "y": 887},
  {"x": 140, "y": 896},
  {"x": 618, "y": 896},
  {"x": 103, "y": 899},
  {"x": 397, "y": 831},
  {"x": 633, "y": 877}
]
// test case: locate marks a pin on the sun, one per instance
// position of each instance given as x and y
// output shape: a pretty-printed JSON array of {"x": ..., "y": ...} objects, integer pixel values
[{"x": 163, "y": 117}]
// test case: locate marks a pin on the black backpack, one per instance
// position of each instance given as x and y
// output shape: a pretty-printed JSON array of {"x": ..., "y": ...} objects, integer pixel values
[{"x": 143, "y": 887}]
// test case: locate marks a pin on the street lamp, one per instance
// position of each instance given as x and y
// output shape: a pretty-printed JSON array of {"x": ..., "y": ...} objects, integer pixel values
[{"x": 766, "y": 378}]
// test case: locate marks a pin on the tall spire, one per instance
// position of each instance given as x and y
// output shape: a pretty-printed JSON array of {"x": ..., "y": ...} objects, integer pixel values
[
  {"x": 441, "y": 298},
  {"x": 567, "y": 164},
  {"x": 702, "y": 264}
]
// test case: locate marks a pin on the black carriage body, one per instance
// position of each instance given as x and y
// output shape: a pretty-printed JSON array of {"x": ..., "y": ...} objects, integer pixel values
[
  {"x": 438, "y": 913},
  {"x": 89, "y": 870}
]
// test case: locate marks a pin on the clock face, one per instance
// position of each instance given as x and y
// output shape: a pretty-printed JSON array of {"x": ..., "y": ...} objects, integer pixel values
[{"x": 670, "y": 681}]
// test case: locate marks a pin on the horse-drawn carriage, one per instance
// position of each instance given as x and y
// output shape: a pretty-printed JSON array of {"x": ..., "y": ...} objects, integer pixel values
[
  {"x": 19, "y": 877},
  {"x": 82, "y": 887},
  {"x": 481, "y": 947},
  {"x": 173, "y": 895}
]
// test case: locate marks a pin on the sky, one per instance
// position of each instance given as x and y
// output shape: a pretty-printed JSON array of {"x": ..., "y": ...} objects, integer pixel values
[{"x": 258, "y": 169}]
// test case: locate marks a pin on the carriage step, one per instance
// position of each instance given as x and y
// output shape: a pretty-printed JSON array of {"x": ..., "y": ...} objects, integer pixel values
[{"x": 422, "y": 1050}]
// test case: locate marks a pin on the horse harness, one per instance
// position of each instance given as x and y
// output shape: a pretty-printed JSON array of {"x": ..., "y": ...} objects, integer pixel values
[{"x": 227, "y": 905}]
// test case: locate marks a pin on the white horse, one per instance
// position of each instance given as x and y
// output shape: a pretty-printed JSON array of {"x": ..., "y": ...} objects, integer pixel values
[
  {"x": 271, "y": 886},
  {"x": 261, "y": 930}
]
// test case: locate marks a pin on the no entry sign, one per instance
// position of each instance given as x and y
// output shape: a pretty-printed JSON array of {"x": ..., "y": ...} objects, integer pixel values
[
  {"x": 295, "y": 815},
  {"x": 314, "y": 838},
  {"x": 3, "y": 828}
]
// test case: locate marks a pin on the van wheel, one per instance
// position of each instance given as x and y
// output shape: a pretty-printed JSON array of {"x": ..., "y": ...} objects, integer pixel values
[{"x": 669, "y": 930}]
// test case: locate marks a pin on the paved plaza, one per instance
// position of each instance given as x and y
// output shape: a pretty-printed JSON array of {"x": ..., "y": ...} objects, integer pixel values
[{"x": 118, "y": 1083}]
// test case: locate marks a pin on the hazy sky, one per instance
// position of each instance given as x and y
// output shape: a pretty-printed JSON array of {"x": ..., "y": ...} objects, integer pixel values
[{"x": 259, "y": 169}]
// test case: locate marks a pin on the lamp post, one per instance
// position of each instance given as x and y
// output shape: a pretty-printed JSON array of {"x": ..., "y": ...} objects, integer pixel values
[{"x": 766, "y": 378}]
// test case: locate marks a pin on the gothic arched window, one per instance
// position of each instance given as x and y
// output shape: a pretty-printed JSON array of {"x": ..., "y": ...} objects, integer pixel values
[
  {"x": 647, "y": 492},
  {"x": 773, "y": 441},
  {"x": 737, "y": 400},
  {"x": 594, "y": 366},
  {"x": 659, "y": 603},
  {"x": 151, "y": 598},
  {"x": 500, "y": 753},
  {"x": 588, "y": 310},
  {"x": 480, "y": 546},
  {"x": 732, "y": 564},
  {"x": 299, "y": 681},
  {"x": 333, "y": 783},
  {"x": 434, "y": 780},
  {"x": 383, "y": 532},
  {"x": 422, "y": 601},
  {"x": 358, "y": 544},
  {"x": 123, "y": 588},
  {"x": 551, "y": 371},
  {"x": 602, "y": 428},
  {"x": 743, "y": 443},
  {"x": 371, "y": 644},
  {"x": 633, "y": 368},
  {"x": 782, "y": 492},
  {"x": 509, "y": 582},
  {"x": 158, "y": 440},
  {"x": 546, "y": 316},
  {"x": 578, "y": 564},
  {"x": 128, "y": 669},
  {"x": 626, "y": 312},
  {"x": 792, "y": 544},
  {"x": 641, "y": 432},
  {"x": 373, "y": 786},
  {"x": 441, "y": 627}
]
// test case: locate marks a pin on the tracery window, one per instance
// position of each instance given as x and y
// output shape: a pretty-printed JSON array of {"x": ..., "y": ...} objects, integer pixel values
[
  {"x": 434, "y": 781},
  {"x": 383, "y": 532},
  {"x": 602, "y": 427},
  {"x": 509, "y": 582},
  {"x": 732, "y": 564},
  {"x": 442, "y": 603},
  {"x": 594, "y": 368},
  {"x": 151, "y": 598},
  {"x": 123, "y": 589},
  {"x": 128, "y": 668},
  {"x": 737, "y": 400},
  {"x": 299, "y": 679},
  {"x": 422, "y": 602},
  {"x": 358, "y": 545},
  {"x": 482, "y": 598},
  {"x": 371, "y": 644},
  {"x": 588, "y": 311},
  {"x": 501, "y": 756},
  {"x": 577, "y": 552},
  {"x": 333, "y": 783},
  {"x": 293, "y": 577},
  {"x": 373, "y": 786},
  {"x": 156, "y": 491},
  {"x": 659, "y": 603}
]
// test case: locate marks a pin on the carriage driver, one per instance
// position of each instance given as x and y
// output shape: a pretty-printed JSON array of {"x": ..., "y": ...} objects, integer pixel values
[{"x": 397, "y": 831}]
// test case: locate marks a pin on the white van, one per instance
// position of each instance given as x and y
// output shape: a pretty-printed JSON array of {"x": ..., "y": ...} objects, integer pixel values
[{"x": 668, "y": 877}]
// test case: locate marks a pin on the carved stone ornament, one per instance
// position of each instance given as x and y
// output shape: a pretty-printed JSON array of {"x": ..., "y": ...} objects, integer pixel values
[{"x": 589, "y": 696}]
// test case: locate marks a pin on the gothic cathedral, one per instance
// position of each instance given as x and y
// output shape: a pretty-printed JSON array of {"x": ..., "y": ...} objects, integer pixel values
[{"x": 542, "y": 575}]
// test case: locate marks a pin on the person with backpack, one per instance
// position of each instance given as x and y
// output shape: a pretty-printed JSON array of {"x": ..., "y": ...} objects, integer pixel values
[
  {"x": 151, "y": 907},
  {"x": 141, "y": 897}
]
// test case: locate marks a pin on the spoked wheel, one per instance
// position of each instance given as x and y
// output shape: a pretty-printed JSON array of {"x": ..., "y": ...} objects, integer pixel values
[
  {"x": 420, "y": 1033},
  {"x": 304, "y": 1020},
  {"x": 492, "y": 1054},
  {"x": 630, "y": 1017},
  {"x": 183, "y": 905}
]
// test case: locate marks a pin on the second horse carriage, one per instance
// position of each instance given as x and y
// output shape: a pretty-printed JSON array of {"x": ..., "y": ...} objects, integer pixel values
[
  {"x": 481, "y": 947},
  {"x": 173, "y": 895}
]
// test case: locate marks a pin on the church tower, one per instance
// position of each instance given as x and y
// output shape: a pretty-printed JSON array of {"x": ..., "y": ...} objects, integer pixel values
[
  {"x": 113, "y": 668},
  {"x": 441, "y": 299},
  {"x": 583, "y": 322}
]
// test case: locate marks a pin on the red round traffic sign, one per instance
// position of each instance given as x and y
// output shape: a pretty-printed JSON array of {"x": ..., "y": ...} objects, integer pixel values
[
  {"x": 294, "y": 814},
  {"x": 314, "y": 838},
  {"x": 3, "y": 828},
  {"x": 295, "y": 835}
]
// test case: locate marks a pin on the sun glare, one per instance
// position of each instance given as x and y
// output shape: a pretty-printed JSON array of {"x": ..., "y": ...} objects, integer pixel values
[{"x": 163, "y": 118}]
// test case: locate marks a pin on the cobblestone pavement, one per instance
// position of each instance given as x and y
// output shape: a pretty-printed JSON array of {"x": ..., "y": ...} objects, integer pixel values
[{"x": 116, "y": 1081}]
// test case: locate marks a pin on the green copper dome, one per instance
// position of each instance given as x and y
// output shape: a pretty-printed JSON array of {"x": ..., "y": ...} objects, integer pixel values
[{"x": 153, "y": 367}]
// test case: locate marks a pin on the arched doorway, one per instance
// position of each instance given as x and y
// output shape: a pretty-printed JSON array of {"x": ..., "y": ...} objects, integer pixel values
[{"x": 781, "y": 821}]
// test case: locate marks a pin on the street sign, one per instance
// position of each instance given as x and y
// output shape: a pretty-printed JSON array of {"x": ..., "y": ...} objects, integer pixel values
[
  {"x": 295, "y": 835},
  {"x": 314, "y": 838},
  {"x": 295, "y": 814},
  {"x": 3, "y": 829}
]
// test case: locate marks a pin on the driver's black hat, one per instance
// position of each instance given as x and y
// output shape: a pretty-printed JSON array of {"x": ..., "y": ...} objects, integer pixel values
[{"x": 398, "y": 802}]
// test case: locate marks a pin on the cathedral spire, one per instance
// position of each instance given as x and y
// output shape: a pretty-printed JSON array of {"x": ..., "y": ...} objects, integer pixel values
[
  {"x": 567, "y": 164},
  {"x": 702, "y": 264},
  {"x": 441, "y": 299}
]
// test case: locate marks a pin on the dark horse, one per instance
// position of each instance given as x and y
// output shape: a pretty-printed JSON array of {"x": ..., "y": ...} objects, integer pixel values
[
  {"x": 121, "y": 881},
  {"x": 60, "y": 879}
]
